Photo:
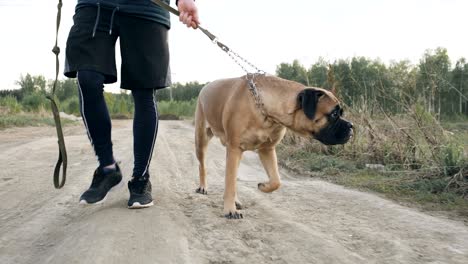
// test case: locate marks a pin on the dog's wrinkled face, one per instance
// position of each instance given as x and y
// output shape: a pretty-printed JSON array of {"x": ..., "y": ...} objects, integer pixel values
[{"x": 321, "y": 116}]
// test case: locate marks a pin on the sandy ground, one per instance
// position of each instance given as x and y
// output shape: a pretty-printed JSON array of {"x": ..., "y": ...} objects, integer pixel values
[{"x": 306, "y": 221}]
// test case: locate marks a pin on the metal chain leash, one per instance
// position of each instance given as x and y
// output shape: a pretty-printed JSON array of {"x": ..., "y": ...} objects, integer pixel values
[{"x": 239, "y": 60}]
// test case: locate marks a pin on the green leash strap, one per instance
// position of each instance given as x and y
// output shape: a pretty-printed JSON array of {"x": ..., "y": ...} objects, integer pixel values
[{"x": 62, "y": 159}]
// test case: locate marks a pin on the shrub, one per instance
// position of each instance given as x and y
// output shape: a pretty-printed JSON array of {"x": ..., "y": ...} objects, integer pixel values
[
  {"x": 10, "y": 104},
  {"x": 34, "y": 102},
  {"x": 71, "y": 106},
  {"x": 178, "y": 108},
  {"x": 452, "y": 158}
]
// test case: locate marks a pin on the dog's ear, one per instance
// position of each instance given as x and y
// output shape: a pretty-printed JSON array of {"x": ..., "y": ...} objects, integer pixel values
[{"x": 307, "y": 99}]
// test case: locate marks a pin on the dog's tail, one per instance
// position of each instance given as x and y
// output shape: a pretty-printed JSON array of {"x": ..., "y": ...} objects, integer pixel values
[{"x": 202, "y": 133}]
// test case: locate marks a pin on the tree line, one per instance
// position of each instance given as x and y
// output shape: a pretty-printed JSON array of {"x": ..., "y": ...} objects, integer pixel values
[
  {"x": 31, "y": 96},
  {"x": 369, "y": 85}
]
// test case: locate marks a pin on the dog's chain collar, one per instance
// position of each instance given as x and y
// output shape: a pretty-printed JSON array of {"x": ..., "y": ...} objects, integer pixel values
[
  {"x": 244, "y": 64},
  {"x": 249, "y": 76},
  {"x": 253, "y": 89}
]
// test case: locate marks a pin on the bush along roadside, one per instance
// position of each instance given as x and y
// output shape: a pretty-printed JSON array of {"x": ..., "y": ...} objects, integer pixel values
[{"x": 409, "y": 158}]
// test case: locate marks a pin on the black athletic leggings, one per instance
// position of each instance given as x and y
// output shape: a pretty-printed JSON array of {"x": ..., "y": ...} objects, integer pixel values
[{"x": 97, "y": 121}]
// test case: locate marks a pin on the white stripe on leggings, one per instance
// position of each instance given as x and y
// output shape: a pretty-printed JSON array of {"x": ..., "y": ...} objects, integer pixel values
[
  {"x": 154, "y": 137},
  {"x": 83, "y": 113}
]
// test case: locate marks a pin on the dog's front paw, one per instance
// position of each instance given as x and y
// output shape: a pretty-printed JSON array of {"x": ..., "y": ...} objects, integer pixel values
[
  {"x": 234, "y": 215},
  {"x": 201, "y": 190},
  {"x": 231, "y": 212},
  {"x": 268, "y": 187}
]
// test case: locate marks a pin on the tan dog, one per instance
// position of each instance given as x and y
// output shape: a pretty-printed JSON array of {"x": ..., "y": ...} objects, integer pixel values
[{"x": 227, "y": 109}]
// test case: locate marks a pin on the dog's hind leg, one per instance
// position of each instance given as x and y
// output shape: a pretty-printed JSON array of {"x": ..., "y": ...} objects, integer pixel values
[
  {"x": 203, "y": 135},
  {"x": 270, "y": 163}
]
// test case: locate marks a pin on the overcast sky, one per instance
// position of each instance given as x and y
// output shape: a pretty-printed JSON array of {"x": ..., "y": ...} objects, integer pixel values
[{"x": 266, "y": 32}]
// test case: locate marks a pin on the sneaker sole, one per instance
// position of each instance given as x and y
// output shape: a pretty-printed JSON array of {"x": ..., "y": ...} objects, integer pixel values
[
  {"x": 116, "y": 187},
  {"x": 137, "y": 205}
]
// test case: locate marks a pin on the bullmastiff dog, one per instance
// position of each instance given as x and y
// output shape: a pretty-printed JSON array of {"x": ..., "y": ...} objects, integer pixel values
[{"x": 228, "y": 110}]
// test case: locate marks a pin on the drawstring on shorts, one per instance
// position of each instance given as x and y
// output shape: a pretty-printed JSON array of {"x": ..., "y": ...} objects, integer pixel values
[
  {"x": 112, "y": 20},
  {"x": 98, "y": 16}
]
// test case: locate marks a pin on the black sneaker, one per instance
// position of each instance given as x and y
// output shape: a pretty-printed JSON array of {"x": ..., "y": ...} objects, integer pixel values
[
  {"x": 140, "y": 193},
  {"x": 103, "y": 182}
]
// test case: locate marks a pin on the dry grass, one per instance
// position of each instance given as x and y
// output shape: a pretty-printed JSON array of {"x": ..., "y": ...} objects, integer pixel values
[{"x": 416, "y": 158}]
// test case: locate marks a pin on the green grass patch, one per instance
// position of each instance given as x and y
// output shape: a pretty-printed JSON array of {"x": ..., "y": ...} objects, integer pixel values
[
  {"x": 314, "y": 162},
  {"x": 428, "y": 193},
  {"x": 180, "y": 109},
  {"x": 29, "y": 119},
  {"x": 458, "y": 131}
]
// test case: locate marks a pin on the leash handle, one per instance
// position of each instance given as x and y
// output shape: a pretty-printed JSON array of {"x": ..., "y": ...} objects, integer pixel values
[
  {"x": 205, "y": 31},
  {"x": 62, "y": 158},
  {"x": 167, "y": 7},
  {"x": 236, "y": 57}
]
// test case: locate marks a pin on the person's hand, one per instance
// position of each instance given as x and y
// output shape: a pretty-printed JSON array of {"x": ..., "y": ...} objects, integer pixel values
[{"x": 188, "y": 13}]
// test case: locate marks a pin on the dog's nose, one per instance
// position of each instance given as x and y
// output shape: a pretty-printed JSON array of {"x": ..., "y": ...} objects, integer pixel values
[{"x": 350, "y": 125}]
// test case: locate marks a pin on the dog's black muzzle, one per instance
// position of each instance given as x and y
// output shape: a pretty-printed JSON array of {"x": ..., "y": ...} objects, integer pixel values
[{"x": 337, "y": 132}]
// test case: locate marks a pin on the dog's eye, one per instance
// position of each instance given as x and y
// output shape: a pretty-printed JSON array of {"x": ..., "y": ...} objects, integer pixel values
[{"x": 334, "y": 115}]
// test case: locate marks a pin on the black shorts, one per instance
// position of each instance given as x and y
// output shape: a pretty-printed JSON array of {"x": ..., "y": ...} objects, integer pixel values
[{"x": 143, "y": 47}]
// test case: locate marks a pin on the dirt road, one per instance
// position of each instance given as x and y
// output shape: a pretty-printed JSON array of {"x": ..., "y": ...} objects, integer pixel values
[{"x": 306, "y": 221}]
